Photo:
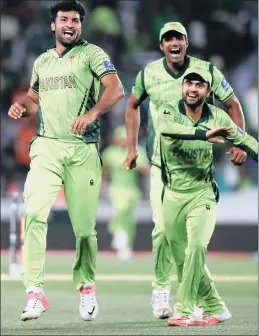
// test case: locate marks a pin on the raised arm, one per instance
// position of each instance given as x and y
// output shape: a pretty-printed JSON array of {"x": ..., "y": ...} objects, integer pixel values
[
  {"x": 168, "y": 126},
  {"x": 241, "y": 139}
]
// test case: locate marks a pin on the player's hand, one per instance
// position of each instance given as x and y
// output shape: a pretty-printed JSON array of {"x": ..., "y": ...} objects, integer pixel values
[
  {"x": 131, "y": 160},
  {"x": 79, "y": 124},
  {"x": 237, "y": 155},
  {"x": 16, "y": 111},
  {"x": 214, "y": 134}
]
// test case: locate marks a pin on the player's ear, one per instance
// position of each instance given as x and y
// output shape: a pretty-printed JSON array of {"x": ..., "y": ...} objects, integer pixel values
[
  {"x": 52, "y": 26},
  {"x": 187, "y": 43},
  {"x": 208, "y": 91},
  {"x": 161, "y": 46}
]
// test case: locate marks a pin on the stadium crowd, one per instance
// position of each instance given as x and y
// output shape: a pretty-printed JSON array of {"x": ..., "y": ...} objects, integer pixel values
[{"x": 223, "y": 32}]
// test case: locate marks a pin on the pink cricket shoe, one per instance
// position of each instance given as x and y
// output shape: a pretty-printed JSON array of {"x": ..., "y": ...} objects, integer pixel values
[{"x": 36, "y": 304}]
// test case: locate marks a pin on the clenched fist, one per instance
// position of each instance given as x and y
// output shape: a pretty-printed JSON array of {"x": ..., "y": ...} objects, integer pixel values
[{"x": 16, "y": 111}]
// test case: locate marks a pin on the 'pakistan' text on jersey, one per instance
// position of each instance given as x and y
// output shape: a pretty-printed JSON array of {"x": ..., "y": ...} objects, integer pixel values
[
  {"x": 161, "y": 85},
  {"x": 186, "y": 159},
  {"x": 68, "y": 86}
]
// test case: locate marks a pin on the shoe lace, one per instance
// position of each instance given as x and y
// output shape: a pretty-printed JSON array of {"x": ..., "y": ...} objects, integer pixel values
[
  {"x": 160, "y": 297},
  {"x": 87, "y": 297},
  {"x": 31, "y": 301}
]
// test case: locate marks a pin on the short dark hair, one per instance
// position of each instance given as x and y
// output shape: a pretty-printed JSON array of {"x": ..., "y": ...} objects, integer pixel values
[{"x": 67, "y": 6}]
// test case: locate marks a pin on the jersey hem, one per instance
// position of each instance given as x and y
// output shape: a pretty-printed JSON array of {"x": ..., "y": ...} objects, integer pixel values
[
  {"x": 106, "y": 73},
  {"x": 228, "y": 97},
  {"x": 34, "y": 90}
]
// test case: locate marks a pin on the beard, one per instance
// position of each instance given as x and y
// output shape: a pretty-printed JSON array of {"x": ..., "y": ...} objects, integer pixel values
[
  {"x": 194, "y": 105},
  {"x": 66, "y": 42}
]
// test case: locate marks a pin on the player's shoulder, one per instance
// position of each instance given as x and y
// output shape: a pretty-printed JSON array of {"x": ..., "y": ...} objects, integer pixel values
[
  {"x": 216, "y": 111},
  {"x": 194, "y": 61},
  {"x": 154, "y": 65},
  {"x": 43, "y": 57},
  {"x": 90, "y": 48},
  {"x": 170, "y": 105}
]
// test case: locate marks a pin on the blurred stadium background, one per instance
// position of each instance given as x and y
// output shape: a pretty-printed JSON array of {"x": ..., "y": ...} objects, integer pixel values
[{"x": 222, "y": 31}]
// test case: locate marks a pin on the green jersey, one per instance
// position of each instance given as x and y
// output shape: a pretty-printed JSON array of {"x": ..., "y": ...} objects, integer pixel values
[
  {"x": 187, "y": 165},
  {"x": 161, "y": 85},
  {"x": 113, "y": 156},
  {"x": 68, "y": 86}
]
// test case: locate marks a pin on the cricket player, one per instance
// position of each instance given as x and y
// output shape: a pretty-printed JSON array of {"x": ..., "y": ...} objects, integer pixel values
[
  {"x": 161, "y": 81},
  {"x": 124, "y": 192},
  {"x": 64, "y": 92},
  {"x": 188, "y": 130}
]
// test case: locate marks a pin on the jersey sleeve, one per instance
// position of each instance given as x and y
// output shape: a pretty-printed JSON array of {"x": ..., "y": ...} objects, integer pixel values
[
  {"x": 221, "y": 88},
  {"x": 138, "y": 89},
  {"x": 100, "y": 63},
  {"x": 35, "y": 77},
  {"x": 240, "y": 138},
  {"x": 168, "y": 125}
]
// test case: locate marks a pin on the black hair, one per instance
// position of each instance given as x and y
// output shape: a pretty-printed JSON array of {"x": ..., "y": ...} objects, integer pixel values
[
  {"x": 67, "y": 6},
  {"x": 195, "y": 76},
  {"x": 170, "y": 33}
]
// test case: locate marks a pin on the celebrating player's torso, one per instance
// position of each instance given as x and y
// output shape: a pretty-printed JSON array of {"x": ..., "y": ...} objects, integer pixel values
[
  {"x": 187, "y": 165},
  {"x": 68, "y": 86},
  {"x": 161, "y": 85}
]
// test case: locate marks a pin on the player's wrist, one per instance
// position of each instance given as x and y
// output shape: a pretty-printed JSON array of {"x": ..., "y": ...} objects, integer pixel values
[{"x": 201, "y": 134}]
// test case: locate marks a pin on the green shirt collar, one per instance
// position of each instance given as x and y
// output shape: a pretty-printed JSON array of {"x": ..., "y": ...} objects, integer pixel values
[
  {"x": 79, "y": 42},
  {"x": 206, "y": 111},
  {"x": 179, "y": 74}
]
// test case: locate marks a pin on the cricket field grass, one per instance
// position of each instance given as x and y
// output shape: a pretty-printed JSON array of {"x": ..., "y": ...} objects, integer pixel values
[{"x": 124, "y": 292}]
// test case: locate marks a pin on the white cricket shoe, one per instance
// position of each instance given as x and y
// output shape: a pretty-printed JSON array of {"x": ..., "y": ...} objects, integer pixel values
[
  {"x": 36, "y": 304},
  {"x": 160, "y": 302},
  {"x": 88, "y": 307}
]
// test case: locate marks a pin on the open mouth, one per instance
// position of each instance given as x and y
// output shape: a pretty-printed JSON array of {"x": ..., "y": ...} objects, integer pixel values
[
  {"x": 68, "y": 33},
  {"x": 192, "y": 96},
  {"x": 175, "y": 51}
]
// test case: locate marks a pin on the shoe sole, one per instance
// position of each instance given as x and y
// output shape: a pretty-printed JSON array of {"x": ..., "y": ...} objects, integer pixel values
[
  {"x": 178, "y": 324},
  {"x": 31, "y": 316},
  {"x": 165, "y": 314},
  {"x": 87, "y": 318}
]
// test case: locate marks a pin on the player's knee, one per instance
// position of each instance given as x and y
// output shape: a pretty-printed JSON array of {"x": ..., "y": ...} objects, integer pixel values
[
  {"x": 85, "y": 234},
  {"x": 196, "y": 248},
  {"x": 32, "y": 215}
]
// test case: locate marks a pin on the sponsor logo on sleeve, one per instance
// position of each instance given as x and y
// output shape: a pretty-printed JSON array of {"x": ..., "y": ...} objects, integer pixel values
[
  {"x": 108, "y": 65},
  {"x": 225, "y": 84}
]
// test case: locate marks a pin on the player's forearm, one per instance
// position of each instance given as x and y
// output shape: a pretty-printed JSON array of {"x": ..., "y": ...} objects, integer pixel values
[
  {"x": 109, "y": 99},
  {"x": 30, "y": 105},
  {"x": 247, "y": 143},
  {"x": 132, "y": 122},
  {"x": 235, "y": 112},
  {"x": 178, "y": 131}
]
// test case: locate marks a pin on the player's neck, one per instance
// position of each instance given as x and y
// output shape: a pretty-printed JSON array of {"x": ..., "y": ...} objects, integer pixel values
[
  {"x": 175, "y": 68},
  {"x": 60, "y": 48},
  {"x": 194, "y": 113}
]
